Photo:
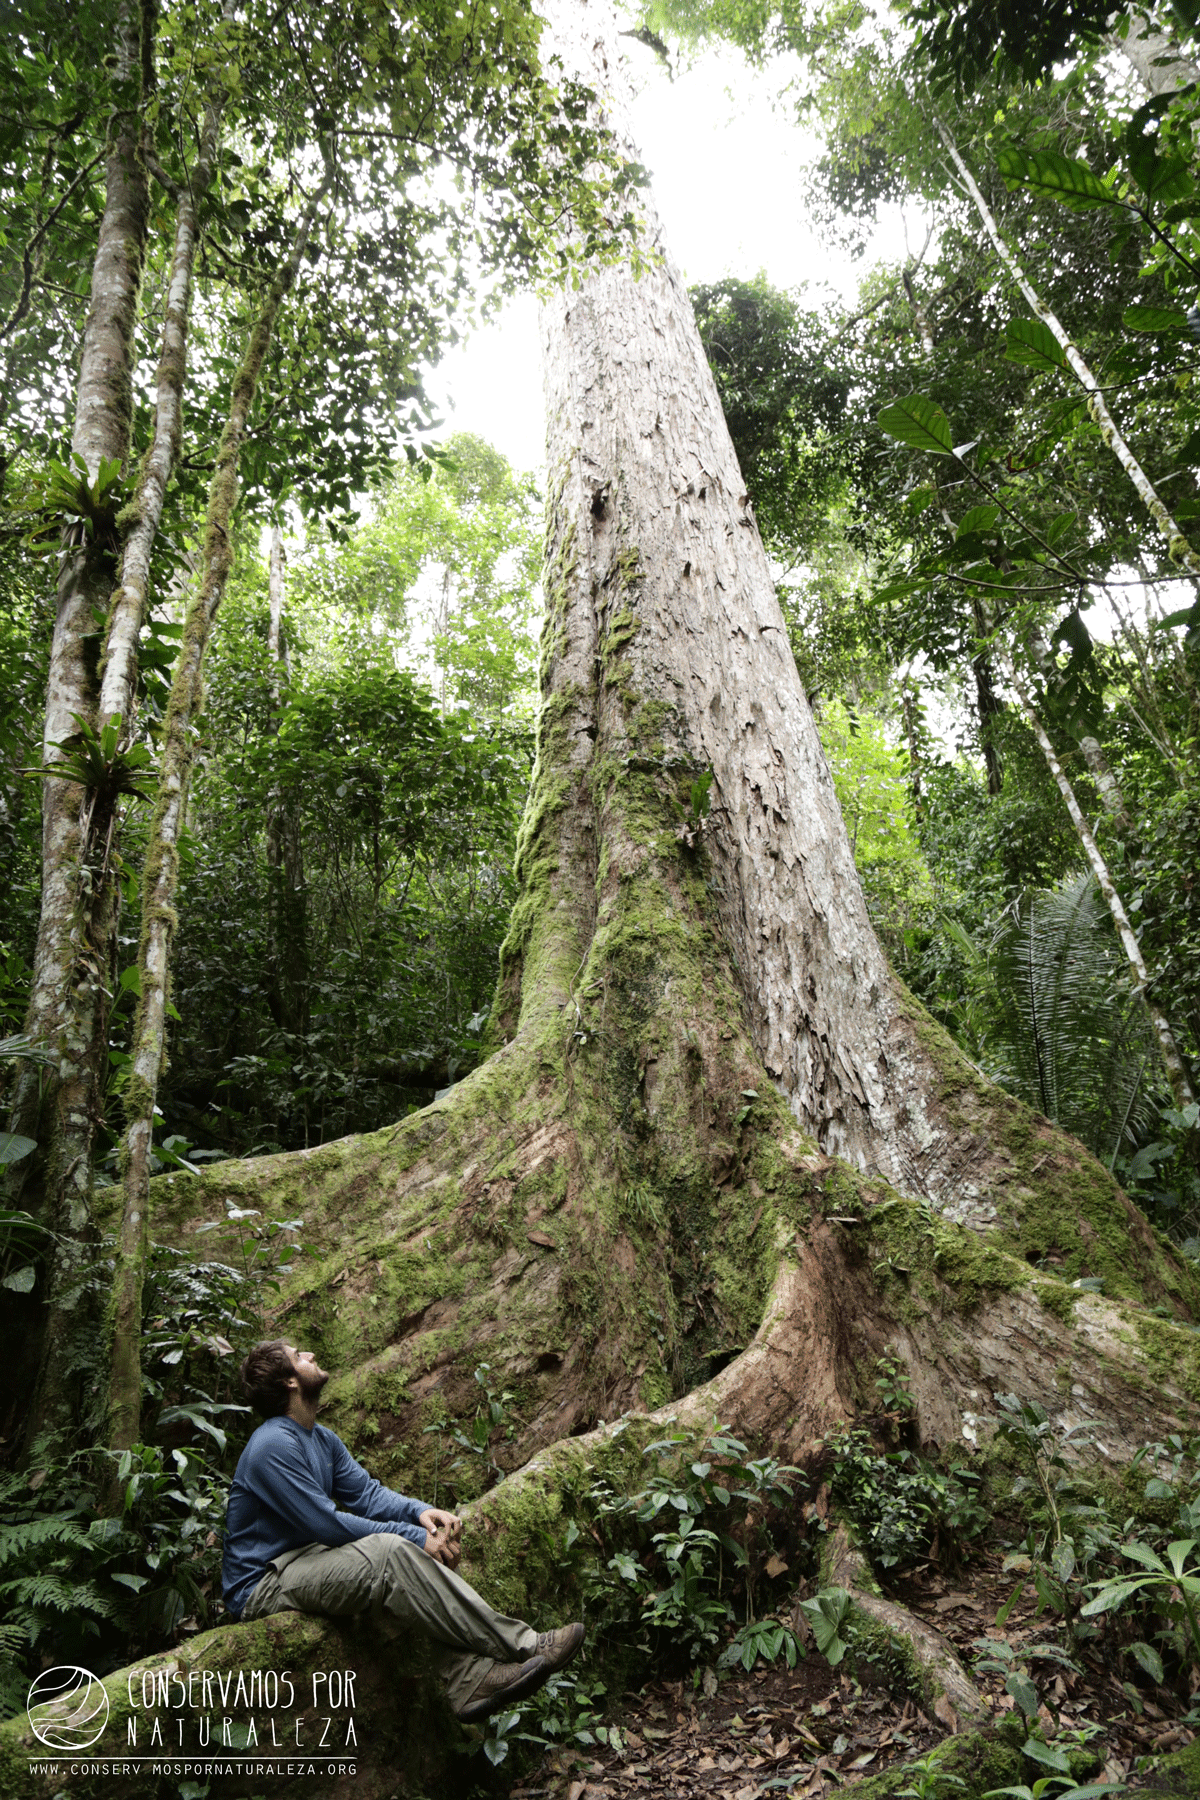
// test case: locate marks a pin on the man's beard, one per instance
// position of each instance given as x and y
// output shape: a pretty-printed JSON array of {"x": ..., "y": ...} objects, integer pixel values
[{"x": 311, "y": 1382}]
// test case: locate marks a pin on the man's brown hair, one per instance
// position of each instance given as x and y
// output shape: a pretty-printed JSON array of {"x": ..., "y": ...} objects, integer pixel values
[{"x": 265, "y": 1375}]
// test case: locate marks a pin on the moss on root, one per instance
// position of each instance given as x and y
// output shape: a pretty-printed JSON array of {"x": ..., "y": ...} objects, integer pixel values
[
  {"x": 1177, "y": 1774},
  {"x": 980, "y": 1760},
  {"x": 599, "y": 1211},
  {"x": 1050, "y": 1199}
]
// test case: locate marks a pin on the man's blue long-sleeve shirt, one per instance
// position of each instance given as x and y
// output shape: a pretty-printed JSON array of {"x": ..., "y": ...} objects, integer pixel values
[{"x": 295, "y": 1487}]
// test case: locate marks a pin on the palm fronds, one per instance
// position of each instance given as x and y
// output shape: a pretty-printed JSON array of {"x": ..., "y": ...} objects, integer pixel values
[{"x": 1072, "y": 1037}]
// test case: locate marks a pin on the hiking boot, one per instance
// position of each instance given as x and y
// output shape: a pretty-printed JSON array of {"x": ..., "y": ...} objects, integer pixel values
[
  {"x": 503, "y": 1683},
  {"x": 556, "y": 1648}
]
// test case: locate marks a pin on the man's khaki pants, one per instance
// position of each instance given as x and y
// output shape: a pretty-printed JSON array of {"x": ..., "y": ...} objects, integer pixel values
[{"x": 386, "y": 1576}]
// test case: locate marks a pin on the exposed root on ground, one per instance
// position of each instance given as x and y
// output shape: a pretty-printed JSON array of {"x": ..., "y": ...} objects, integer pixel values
[{"x": 945, "y": 1687}]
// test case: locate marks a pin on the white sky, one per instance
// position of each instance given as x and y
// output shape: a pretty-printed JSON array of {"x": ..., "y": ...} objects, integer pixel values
[{"x": 725, "y": 171}]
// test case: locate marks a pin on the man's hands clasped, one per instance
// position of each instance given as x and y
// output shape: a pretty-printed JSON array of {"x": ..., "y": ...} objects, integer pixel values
[{"x": 443, "y": 1536}]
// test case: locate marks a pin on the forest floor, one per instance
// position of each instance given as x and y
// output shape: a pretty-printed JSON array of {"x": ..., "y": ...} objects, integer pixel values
[{"x": 803, "y": 1732}]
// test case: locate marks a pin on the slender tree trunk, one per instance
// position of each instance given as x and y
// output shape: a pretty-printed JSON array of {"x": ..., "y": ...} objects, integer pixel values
[
  {"x": 276, "y": 642},
  {"x": 988, "y": 703},
  {"x": 127, "y": 608},
  {"x": 991, "y": 711},
  {"x": 287, "y": 921},
  {"x": 68, "y": 1007},
  {"x": 1173, "y": 1063},
  {"x": 160, "y": 874},
  {"x": 1178, "y": 547},
  {"x": 910, "y": 709},
  {"x": 442, "y": 627},
  {"x": 1099, "y": 767}
]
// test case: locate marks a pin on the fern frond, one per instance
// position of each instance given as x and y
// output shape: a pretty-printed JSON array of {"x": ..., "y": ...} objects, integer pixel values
[
  {"x": 46, "y": 1592},
  {"x": 14, "y": 1634},
  {"x": 1076, "y": 1039},
  {"x": 30, "y": 1534}
]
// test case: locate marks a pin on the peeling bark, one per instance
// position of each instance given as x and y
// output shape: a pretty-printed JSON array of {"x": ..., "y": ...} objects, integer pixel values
[{"x": 669, "y": 651}]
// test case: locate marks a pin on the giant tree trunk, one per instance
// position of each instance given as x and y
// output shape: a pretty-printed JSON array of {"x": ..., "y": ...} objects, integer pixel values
[{"x": 719, "y": 1159}]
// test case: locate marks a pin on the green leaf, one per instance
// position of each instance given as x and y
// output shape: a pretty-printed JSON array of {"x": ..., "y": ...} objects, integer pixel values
[
  {"x": 1115, "y": 1593},
  {"x": 825, "y": 1613},
  {"x": 1046, "y": 1755},
  {"x": 1177, "y": 1555},
  {"x": 977, "y": 518},
  {"x": 919, "y": 423},
  {"x": 1002, "y": 1615},
  {"x": 1142, "y": 1553},
  {"x": 1153, "y": 318},
  {"x": 1023, "y": 1692},
  {"x": 1054, "y": 177},
  {"x": 13, "y": 1147},
  {"x": 1149, "y": 1659},
  {"x": 1029, "y": 341},
  {"x": 1161, "y": 178},
  {"x": 1062, "y": 1560},
  {"x": 1095, "y": 1790},
  {"x": 898, "y": 590}
]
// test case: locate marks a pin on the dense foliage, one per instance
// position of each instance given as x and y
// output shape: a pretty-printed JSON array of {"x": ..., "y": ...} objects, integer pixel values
[{"x": 357, "y": 825}]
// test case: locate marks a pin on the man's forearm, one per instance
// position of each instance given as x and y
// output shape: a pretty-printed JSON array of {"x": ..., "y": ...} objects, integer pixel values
[{"x": 360, "y": 1493}]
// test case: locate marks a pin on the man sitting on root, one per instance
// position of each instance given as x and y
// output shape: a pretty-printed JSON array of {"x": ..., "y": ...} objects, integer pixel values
[{"x": 308, "y": 1530}]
